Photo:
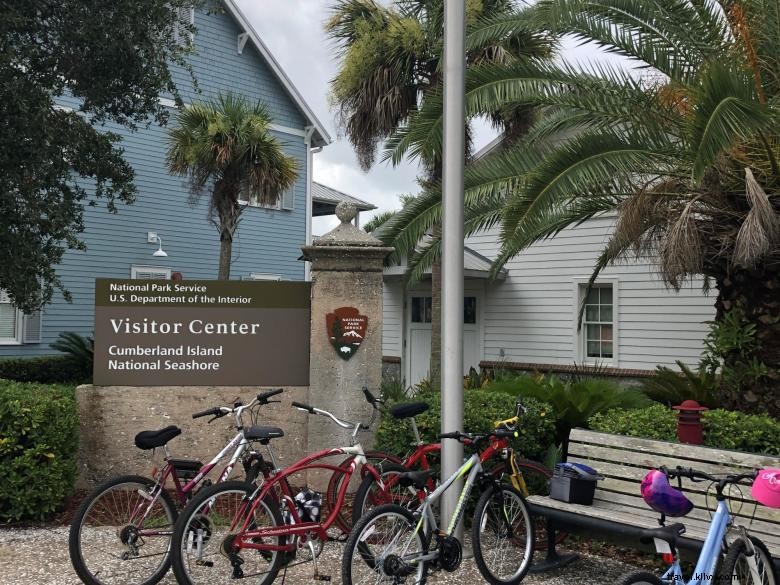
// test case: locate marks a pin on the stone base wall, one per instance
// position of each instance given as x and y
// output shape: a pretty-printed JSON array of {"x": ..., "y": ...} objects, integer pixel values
[{"x": 110, "y": 417}]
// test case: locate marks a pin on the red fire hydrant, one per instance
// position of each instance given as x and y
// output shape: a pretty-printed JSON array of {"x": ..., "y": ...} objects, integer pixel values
[{"x": 689, "y": 427}]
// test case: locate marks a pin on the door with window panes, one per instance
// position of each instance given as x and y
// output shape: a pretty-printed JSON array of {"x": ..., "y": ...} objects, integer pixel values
[{"x": 418, "y": 345}]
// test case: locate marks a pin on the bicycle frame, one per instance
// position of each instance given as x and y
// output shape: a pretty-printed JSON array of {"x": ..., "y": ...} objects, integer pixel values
[{"x": 298, "y": 528}]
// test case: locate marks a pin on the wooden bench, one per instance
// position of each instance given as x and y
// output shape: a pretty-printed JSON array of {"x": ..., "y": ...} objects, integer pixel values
[{"x": 618, "y": 507}]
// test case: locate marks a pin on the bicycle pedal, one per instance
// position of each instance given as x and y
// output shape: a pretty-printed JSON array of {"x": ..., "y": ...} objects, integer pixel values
[
  {"x": 322, "y": 577},
  {"x": 205, "y": 563}
]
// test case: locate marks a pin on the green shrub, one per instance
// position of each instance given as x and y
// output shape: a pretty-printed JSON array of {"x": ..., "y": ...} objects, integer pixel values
[
  {"x": 723, "y": 429},
  {"x": 79, "y": 349},
  {"x": 654, "y": 422},
  {"x": 56, "y": 369},
  {"x": 672, "y": 387},
  {"x": 38, "y": 446},
  {"x": 574, "y": 401},
  {"x": 481, "y": 410}
]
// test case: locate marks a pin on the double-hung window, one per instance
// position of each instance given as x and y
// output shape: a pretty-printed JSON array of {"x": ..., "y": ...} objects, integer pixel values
[
  {"x": 286, "y": 200},
  {"x": 598, "y": 324}
]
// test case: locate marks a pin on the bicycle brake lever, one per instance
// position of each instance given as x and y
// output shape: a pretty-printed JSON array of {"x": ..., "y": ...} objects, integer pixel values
[{"x": 211, "y": 420}]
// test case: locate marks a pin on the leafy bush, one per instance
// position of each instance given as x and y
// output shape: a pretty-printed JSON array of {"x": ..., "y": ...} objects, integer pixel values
[
  {"x": 80, "y": 350},
  {"x": 44, "y": 370},
  {"x": 38, "y": 446},
  {"x": 481, "y": 410},
  {"x": 723, "y": 429},
  {"x": 574, "y": 401},
  {"x": 654, "y": 422},
  {"x": 671, "y": 387}
]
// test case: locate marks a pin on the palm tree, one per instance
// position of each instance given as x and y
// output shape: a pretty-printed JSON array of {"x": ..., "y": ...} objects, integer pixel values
[
  {"x": 391, "y": 61},
  {"x": 225, "y": 145},
  {"x": 687, "y": 153}
]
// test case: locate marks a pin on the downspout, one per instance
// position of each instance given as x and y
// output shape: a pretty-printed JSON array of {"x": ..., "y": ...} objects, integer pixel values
[{"x": 309, "y": 172}]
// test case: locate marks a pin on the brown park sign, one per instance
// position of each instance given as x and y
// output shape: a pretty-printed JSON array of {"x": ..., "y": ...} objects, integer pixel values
[{"x": 201, "y": 333}]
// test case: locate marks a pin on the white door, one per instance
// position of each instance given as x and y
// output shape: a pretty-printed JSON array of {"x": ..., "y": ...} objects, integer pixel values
[{"x": 418, "y": 347}]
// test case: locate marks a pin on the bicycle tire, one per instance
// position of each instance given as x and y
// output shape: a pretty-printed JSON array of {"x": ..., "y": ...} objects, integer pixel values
[
  {"x": 76, "y": 533},
  {"x": 737, "y": 556},
  {"x": 344, "y": 519},
  {"x": 186, "y": 520},
  {"x": 479, "y": 530},
  {"x": 531, "y": 468},
  {"x": 640, "y": 578},
  {"x": 362, "y": 531},
  {"x": 364, "y": 494}
]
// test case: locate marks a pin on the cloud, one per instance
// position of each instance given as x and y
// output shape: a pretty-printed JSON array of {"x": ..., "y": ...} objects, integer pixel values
[{"x": 293, "y": 31}]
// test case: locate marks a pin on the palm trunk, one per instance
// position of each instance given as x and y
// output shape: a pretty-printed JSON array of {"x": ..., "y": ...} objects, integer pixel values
[
  {"x": 225, "y": 213},
  {"x": 757, "y": 294},
  {"x": 225, "y": 255}
]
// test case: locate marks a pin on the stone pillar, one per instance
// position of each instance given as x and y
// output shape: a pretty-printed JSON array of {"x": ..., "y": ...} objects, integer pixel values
[{"x": 346, "y": 271}]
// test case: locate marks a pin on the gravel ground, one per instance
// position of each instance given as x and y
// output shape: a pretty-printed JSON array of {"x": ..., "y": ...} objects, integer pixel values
[{"x": 39, "y": 556}]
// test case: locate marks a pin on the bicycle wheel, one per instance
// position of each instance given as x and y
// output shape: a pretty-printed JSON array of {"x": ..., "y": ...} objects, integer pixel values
[
  {"x": 536, "y": 478},
  {"x": 344, "y": 519},
  {"x": 202, "y": 538},
  {"x": 502, "y": 535},
  {"x": 118, "y": 536},
  {"x": 641, "y": 578},
  {"x": 370, "y": 494},
  {"x": 382, "y": 549},
  {"x": 739, "y": 566}
]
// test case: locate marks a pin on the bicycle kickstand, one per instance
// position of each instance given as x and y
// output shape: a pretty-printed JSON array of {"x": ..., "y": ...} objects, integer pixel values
[{"x": 317, "y": 576}]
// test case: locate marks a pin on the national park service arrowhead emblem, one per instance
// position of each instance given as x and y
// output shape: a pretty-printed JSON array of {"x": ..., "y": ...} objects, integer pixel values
[{"x": 346, "y": 329}]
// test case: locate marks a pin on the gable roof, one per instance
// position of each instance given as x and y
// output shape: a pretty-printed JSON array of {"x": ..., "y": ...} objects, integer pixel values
[
  {"x": 320, "y": 136},
  {"x": 324, "y": 200}
]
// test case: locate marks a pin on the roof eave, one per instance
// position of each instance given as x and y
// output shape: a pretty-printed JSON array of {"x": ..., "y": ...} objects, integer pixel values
[{"x": 320, "y": 136}]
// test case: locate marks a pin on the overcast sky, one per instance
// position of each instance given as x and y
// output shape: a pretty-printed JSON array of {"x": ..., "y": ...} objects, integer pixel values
[{"x": 293, "y": 31}]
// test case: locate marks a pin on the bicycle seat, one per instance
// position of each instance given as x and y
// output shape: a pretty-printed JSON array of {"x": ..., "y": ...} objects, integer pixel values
[
  {"x": 666, "y": 533},
  {"x": 408, "y": 409},
  {"x": 417, "y": 479},
  {"x": 151, "y": 439},
  {"x": 263, "y": 434}
]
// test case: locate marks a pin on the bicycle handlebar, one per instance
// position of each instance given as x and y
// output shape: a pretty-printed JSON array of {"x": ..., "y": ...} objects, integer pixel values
[
  {"x": 695, "y": 475},
  {"x": 263, "y": 397},
  {"x": 210, "y": 412},
  {"x": 302, "y": 406}
]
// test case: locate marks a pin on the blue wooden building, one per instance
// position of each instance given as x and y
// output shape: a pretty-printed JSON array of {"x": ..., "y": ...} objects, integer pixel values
[{"x": 229, "y": 56}]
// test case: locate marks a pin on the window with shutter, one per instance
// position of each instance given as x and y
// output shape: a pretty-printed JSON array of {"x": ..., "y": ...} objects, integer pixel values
[
  {"x": 184, "y": 16},
  {"x": 9, "y": 320},
  {"x": 31, "y": 330},
  {"x": 150, "y": 272}
]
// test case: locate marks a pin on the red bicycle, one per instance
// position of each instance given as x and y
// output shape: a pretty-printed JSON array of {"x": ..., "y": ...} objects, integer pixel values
[
  {"x": 236, "y": 530},
  {"x": 121, "y": 533}
]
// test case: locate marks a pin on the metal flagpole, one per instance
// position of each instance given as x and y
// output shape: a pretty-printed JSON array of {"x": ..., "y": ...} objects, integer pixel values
[{"x": 452, "y": 247}]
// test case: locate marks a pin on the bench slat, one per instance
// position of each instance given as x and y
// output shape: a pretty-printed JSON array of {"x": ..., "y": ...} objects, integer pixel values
[
  {"x": 647, "y": 460},
  {"x": 621, "y": 517},
  {"x": 683, "y": 451},
  {"x": 766, "y": 532},
  {"x": 698, "y": 499},
  {"x": 638, "y": 504}
]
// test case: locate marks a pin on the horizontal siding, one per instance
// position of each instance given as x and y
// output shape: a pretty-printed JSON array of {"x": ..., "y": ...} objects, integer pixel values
[
  {"x": 392, "y": 314},
  {"x": 268, "y": 241},
  {"x": 530, "y": 316}
]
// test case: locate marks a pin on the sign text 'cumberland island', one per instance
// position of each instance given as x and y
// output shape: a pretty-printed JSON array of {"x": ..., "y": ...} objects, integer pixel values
[{"x": 201, "y": 333}]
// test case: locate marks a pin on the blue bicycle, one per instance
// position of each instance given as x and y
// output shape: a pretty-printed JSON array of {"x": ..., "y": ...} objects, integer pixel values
[{"x": 747, "y": 559}]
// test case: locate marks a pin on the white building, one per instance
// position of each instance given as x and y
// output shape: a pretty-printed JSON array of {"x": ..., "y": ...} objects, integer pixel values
[{"x": 527, "y": 318}]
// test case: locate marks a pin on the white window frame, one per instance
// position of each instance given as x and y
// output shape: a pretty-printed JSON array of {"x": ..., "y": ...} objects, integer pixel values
[
  {"x": 279, "y": 206},
  {"x": 580, "y": 355},
  {"x": 264, "y": 276},
  {"x": 20, "y": 337},
  {"x": 136, "y": 268}
]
